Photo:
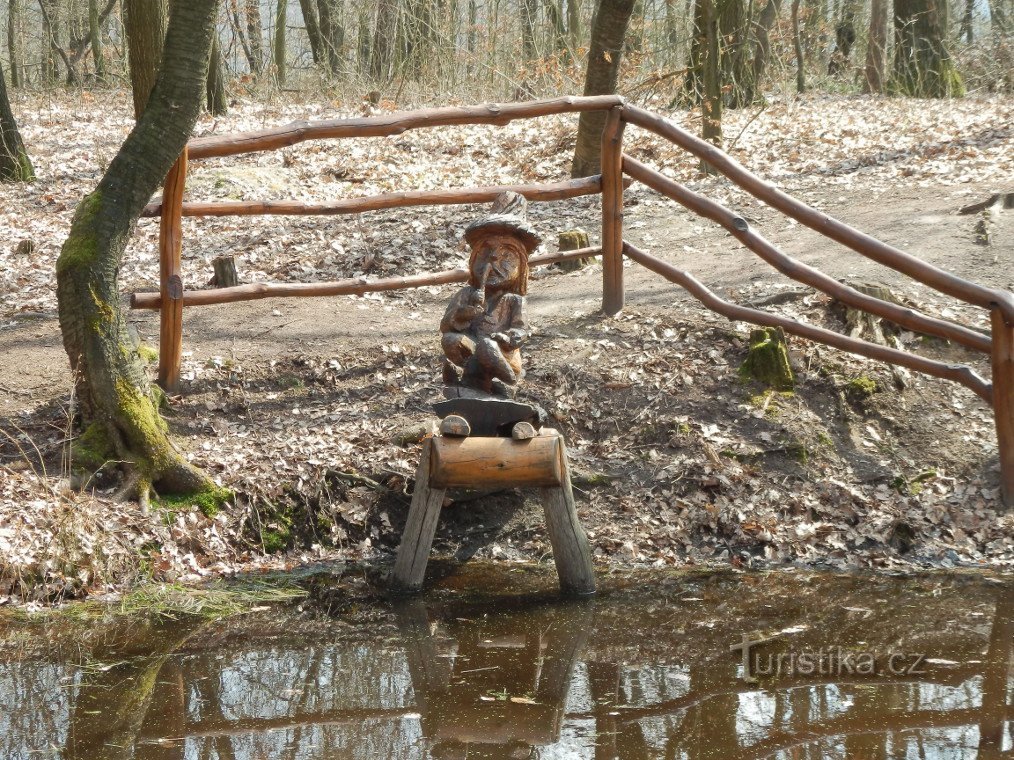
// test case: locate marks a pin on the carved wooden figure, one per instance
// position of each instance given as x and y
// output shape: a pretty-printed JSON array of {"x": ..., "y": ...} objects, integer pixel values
[{"x": 483, "y": 328}]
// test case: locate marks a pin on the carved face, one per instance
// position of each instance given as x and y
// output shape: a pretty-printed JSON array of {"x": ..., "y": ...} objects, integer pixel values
[{"x": 499, "y": 262}]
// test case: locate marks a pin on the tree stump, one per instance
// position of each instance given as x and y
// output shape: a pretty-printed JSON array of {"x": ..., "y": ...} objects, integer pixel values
[
  {"x": 225, "y": 272},
  {"x": 573, "y": 240},
  {"x": 768, "y": 360}
]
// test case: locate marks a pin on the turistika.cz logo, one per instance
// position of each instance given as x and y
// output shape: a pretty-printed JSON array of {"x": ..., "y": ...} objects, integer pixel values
[{"x": 833, "y": 661}]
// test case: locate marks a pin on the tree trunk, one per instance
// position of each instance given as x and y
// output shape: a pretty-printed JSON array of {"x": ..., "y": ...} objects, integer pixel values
[
  {"x": 217, "y": 102},
  {"x": 312, "y": 30},
  {"x": 364, "y": 42},
  {"x": 922, "y": 66},
  {"x": 145, "y": 31},
  {"x": 735, "y": 72},
  {"x": 281, "y": 13},
  {"x": 711, "y": 71},
  {"x": 966, "y": 22},
  {"x": 797, "y": 43},
  {"x": 998, "y": 17},
  {"x": 876, "y": 50},
  {"x": 112, "y": 387},
  {"x": 255, "y": 35},
  {"x": 609, "y": 28},
  {"x": 332, "y": 33},
  {"x": 383, "y": 40},
  {"x": 554, "y": 12},
  {"x": 15, "y": 166},
  {"x": 529, "y": 11},
  {"x": 844, "y": 37},
  {"x": 95, "y": 35},
  {"x": 762, "y": 47},
  {"x": 574, "y": 23},
  {"x": 13, "y": 31},
  {"x": 50, "y": 30}
]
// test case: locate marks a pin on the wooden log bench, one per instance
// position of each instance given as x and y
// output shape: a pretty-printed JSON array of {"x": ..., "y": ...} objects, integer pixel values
[{"x": 483, "y": 462}]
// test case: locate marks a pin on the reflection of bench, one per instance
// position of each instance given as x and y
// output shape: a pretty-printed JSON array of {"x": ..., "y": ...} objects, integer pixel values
[{"x": 486, "y": 462}]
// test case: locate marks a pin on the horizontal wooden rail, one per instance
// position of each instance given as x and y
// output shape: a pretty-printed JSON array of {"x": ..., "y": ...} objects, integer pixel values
[
  {"x": 392, "y": 124},
  {"x": 858, "y": 241},
  {"x": 546, "y": 191},
  {"x": 353, "y": 286},
  {"x": 797, "y": 270},
  {"x": 958, "y": 373}
]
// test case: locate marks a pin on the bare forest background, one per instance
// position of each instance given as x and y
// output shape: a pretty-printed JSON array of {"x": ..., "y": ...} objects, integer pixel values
[{"x": 412, "y": 50}]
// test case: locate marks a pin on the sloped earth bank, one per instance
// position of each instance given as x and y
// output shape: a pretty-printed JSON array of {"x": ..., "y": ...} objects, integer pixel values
[{"x": 311, "y": 409}]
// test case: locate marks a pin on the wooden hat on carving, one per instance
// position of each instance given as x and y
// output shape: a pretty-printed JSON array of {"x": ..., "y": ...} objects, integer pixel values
[{"x": 509, "y": 216}]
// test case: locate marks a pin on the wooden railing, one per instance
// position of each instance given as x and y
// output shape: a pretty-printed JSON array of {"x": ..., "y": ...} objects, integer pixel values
[{"x": 617, "y": 171}]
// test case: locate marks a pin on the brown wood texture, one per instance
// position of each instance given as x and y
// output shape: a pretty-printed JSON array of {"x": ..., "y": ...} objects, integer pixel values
[
  {"x": 226, "y": 275},
  {"x": 355, "y": 286},
  {"x": 612, "y": 212},
  {"x": 392, "y": 124},
  {"x": 1003, "y": 401},
  {"x": 546, "y": 191},
  {"x": 959, "y": 373},
  {"x": 799, "y": 271},
  {"x": 496, "y": 462},
  {"x": 868, "y": 246},
  {"x": 417, "y": 538},
  {"x": 170, "y": 245},
  {"x": 571, "y": 551}
]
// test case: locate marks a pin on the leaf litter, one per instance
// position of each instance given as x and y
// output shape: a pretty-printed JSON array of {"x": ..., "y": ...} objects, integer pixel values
[{"x": 676, "y": 461}]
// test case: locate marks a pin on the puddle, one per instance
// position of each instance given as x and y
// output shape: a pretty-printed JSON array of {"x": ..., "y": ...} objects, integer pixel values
[{"x": 838, "y": 667}]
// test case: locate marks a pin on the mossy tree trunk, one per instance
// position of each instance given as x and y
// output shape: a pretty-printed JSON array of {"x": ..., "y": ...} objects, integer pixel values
[
  {"x": 609, "y": 28},
  {"x": 112, "y": 387},
  {"x": 15, "y": 166},
  {"x": 145, "y": 24},
  {"x": 923, "y": 67}
]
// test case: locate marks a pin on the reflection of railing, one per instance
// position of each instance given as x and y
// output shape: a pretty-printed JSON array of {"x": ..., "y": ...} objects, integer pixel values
[
  {"x": 172, "y": 296},
  {"x": 456, "y": 666}
]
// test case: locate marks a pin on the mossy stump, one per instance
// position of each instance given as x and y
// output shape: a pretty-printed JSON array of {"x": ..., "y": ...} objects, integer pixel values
[
  {"x": 573, "y": 240},
  {"x": 768, "y": 359}
]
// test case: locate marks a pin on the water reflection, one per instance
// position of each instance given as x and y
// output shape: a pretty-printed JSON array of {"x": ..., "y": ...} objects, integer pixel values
[{"x": 637, "y": 673}]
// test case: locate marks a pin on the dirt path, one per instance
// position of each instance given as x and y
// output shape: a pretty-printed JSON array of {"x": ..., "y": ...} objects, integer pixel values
[{"x": 919, "y": 220}]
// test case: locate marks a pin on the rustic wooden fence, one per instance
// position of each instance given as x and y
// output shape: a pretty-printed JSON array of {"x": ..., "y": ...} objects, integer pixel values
[{"x": 616, "y": 168}]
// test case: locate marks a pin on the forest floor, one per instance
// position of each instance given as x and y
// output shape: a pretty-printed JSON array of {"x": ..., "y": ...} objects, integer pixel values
[{"x": 311, "y": 410}]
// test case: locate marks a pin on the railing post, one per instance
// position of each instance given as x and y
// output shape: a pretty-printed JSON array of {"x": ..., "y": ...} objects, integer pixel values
[
  {"x": 1003, "y": 401},
  {"x": 612, "y": 211},
  {"x": 170, "y": 247}
]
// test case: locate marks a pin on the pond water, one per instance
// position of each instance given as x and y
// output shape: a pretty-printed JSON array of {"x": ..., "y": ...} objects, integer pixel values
[{"x": 490, "y": 664}]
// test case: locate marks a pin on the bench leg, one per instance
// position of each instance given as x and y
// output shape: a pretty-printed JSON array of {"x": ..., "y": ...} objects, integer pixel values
[
  {"x": 416, "y": 540},
  {"x": 571, "y": 551}
]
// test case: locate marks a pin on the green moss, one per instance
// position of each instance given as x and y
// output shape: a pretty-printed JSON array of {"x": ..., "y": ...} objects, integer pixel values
[
  {"x": 277, "y": 531},
  {"x": 148, "y": 354},
  {"x": 92, "y": 449},
  {"x": 862, "y": 387},
  {"x": 140, "y": 413},
  {"x": 81, "y": 249},
  {"x": 209, "y": 501},
  {"x": 768, "y": 359}
]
